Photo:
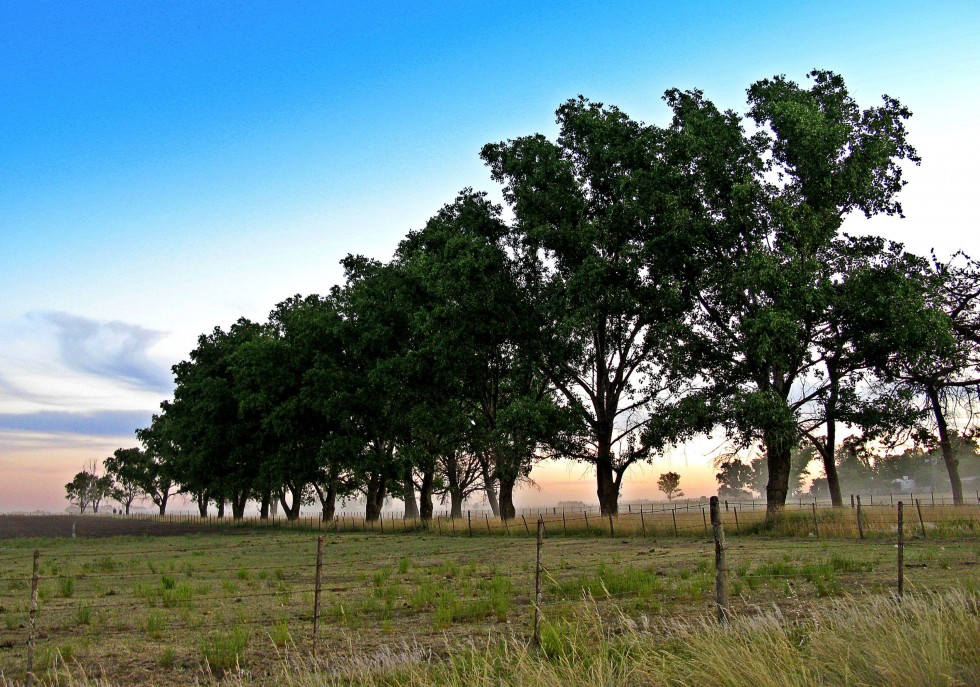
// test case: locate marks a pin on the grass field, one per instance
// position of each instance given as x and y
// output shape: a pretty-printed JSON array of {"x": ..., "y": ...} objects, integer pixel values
[{"x": 239, "y": 602}]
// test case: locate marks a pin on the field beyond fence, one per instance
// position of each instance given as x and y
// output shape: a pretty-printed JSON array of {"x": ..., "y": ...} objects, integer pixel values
[{"x": 236, "y": 598}]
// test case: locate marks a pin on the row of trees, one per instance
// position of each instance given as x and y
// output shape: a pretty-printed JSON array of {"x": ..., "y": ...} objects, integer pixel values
[{"x": 650, "y": 284}]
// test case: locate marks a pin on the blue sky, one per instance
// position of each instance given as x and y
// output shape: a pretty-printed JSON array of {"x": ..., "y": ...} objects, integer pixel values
[{"x": 168, "y": 167}]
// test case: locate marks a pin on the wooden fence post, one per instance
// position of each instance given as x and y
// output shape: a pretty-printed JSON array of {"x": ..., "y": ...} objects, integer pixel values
[
  {"x": 536, "y": 634},
  {"x": 735, "y": 510},
  {"x": 586, "y": 521},
  {"x": 612, "y": 533},
  {"x": 487, "y": 516},
  {"x": 564, "y": 526},
  {"x": 922, "y": 523},
  {"x": 816, "y": 525},
  {"x": 469, "y": 522},
  {"x": 643, "y": 524},
  {"x": 901, "y": 553},
  {"x": 721, "y": 564},
  {"x": 506, "y": 526},
  {"x": 31, "y": 631},
  {"x": 526, "y": 528},
  {"x": 704, "y": 519},
  {"x": 316, "y": 592},
  {"x": 673, "y": 514},
  {"x": 860, "y": 524}
]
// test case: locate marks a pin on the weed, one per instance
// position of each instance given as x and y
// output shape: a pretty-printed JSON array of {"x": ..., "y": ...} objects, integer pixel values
[
  {"x": 168, "y": 658},
  {"x": 156, "y": 623},
  {"x": 66, "y": 586},
  {"x": 279, "y": 634},
  {"x": 243, "y": 574},
  {"x": 83, "y": 615},
  {"x": 225, "y": 651}
]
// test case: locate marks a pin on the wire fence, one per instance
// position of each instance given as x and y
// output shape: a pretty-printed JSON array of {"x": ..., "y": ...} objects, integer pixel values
[{"x": 279, "y": 585}]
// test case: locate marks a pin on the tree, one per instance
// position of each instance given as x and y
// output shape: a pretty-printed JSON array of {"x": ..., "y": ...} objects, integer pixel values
[
  {"x": 155, "y": 468},
  {"x": 734, "y": 478},
  {"x": 761, "y": 211},
  {"x": 79, "y": 490},
  {"x": 669, "y": 484},
  {"x": 480, "y": 384},
  {"x": 589, "y": 215},
  {"x": 128, "y": 468}
]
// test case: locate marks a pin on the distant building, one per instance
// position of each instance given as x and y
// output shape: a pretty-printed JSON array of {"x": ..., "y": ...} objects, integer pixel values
[{"x": 904, "y": 484}]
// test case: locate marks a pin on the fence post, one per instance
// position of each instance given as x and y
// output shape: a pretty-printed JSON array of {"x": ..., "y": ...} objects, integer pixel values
[
  {"x": 586, "y": 521},
  {"x": 673, "y": 514},
  {"x": 564, "y": 526},
  {"x": 901, "y": 552},
  {"x": 469, "y": 522},
  {"x": 33, "y": 619},
  {"x": 860, "y": 524},
  {"x": 526, "y": 528},
  {"x": 704, "y": 519},
  {"x": 852, "y": 500},
  {"x": 922, "y": 523},
  {"x": 816, "y": 525},
  {"x": 506, "y": 526},
  {"x": 487, "y": 516},
  {"x": 721, "y": 564},
  {"x": 536, "y": 635},
  {"x": 735, "y": 510},
  {"x": 612, "y": 532},
  {"x": 316, "y": 592},
  {"x": 643, "y": 524}
]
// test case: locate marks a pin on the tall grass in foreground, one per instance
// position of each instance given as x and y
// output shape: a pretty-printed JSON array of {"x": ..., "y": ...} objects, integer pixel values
[{"x": 921, "y": 641}]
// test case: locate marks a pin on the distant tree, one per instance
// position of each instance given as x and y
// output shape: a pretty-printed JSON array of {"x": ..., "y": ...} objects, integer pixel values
[
  {"x": 734, "y": 478},
  {"x": 155, "y": 467},
  {"x": 127, "y": 467},
  {"x": 669, "y": 484},
  {"x": 79, "y": 490}
]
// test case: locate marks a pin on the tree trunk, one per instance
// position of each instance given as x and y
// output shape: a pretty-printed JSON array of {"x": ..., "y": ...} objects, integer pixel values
[
  {"x": 425, "y": 493},
  {"x": 264, "y": 505},
  {"x": 411, "y": 505},
  {"x": 952, "y": 464},
  {"x": 830, "y": 445},
  {"x": 328, "y": 499},
  {"x": 238, "y": 501},
  {"x": 488, "y": 485},
  {"x": 202, "y": 504},
  {"x": 778, "y": 455},
  {"x": 377, "y": 489},
  {"x": 221, "y": 507},
  {"x": 291, "y": 510},
  {"x": 456, "y": 498},
  {"x": 507, "y": 510}
]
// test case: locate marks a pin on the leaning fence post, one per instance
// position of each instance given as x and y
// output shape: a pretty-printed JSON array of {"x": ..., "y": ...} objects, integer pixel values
[
  {"x": 487, "y": 516},
  {"x": 643, "y": 524},
  {"x": 922, "y": 523},
  {"x": 33, "y": 619},
  {"x": 586, "y": 520},
  {"x": 860, "y": 524},
  {"x": 721, "y": 564},
  {"x": 316, "y": 592},
  {"x": 816, "y": 525},
  {"x": 901, "y": 552},
  {"x": 536, "y": 635},
  {"x": 735, "y": 510},
  {"x": 526, "y": 528},
  {"x": 673, "y": 514},
  {"x": 469, "y": 522},
  {"x": 612, "y": 532},
  {"x": 704, "y": 519}
]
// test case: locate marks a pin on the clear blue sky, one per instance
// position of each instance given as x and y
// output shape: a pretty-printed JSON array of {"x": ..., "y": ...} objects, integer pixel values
[{"x": 168, "y": 167}]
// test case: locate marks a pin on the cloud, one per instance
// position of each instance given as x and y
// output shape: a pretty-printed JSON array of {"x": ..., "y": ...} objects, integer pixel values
[
  {"x": 97, "y": 423},
  {"x": 113, "y": 350}
]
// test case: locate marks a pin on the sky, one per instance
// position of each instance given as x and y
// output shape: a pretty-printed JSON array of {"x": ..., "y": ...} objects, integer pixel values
[{"x": 169, "y": 167}]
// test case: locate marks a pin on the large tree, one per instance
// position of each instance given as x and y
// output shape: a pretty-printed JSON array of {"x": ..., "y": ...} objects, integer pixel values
[
  {"x": 589, "y": 209},
  {"x": 761, "y": 209}
]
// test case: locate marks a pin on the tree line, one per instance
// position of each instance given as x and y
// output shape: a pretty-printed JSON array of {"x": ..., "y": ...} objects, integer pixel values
[{"x": 641, "y": 285}]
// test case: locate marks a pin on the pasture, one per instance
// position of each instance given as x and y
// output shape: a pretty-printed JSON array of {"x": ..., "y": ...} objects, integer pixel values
[{"x": 237, "y": 603}]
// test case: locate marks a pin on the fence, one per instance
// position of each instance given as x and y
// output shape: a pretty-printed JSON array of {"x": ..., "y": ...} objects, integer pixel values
[{"x": 290, "y": 588}]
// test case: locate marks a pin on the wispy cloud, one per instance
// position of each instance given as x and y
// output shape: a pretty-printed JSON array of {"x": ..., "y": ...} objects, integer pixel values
[
  {"x": 96, "y": 423},
  {"x": 117, "y": 351}
]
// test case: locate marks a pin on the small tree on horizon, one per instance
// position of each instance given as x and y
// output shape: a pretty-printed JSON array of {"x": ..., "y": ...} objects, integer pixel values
[{"x": 669, "y": 484}]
